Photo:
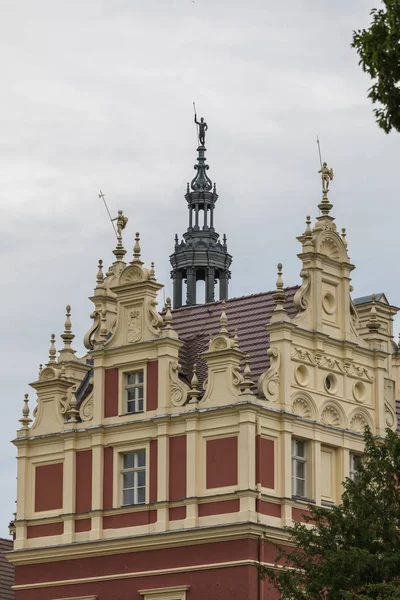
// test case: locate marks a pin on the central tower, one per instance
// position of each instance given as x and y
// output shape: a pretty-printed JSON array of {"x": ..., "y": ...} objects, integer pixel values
[{"x": 200, "y": 255}]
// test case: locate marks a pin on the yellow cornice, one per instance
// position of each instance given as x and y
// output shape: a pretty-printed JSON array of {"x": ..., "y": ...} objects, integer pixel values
[{"x": 138, "y": 543}]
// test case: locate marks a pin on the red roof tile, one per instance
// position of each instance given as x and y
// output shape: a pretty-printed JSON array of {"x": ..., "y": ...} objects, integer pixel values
[{"x": 247, "y": 314}]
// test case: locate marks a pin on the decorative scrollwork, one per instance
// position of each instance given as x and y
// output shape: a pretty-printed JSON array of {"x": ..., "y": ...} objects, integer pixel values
[
  {"x": 179, "y": 390},
  {"x": 300, "y": 299},
  {"x": 88, "y": 338},
  {"x": 86, "y": 409},
  {"x": 269, "y": 382},
  {"x": 156, "y": 319}
]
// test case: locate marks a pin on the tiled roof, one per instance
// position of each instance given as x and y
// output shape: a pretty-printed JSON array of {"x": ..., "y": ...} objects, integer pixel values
[
  {"x": 6, "y": 571},
  {"x": 247, "y": 314}
]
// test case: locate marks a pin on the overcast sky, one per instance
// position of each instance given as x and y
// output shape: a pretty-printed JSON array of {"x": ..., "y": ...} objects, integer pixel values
[{"x": 98, "y": 94}]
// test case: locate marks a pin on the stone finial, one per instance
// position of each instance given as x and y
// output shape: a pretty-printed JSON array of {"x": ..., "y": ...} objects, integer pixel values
[
  {"x": 72, "y": 411},
  {"x": 247, "y": 381},
  {"x": 373, "y": 324},
  {"x": 52, "y": 350},
  {"x": 344, "y": 237},
  {"x": 168, "y": 314},
  {"x": 279, "y": 293},
  {"x": 308, "y": 232},
  {"x": 100, "y": 275},
  {"x": 25, "y": 420},
  {"x": 194, "y": 391},
  {"x": 136, "y": 248},
  {"x": 224, "y": 240},
  {"x": 176, "y": 240},
  {"x": 152, "y": 272},
  {"x": 398, "y": 344},
  {"x": 235, "y": 343},
  {"x": 40, "y": 370},
  {"x": 223, "y": 320},
  {"x": 67, "y": 336}
]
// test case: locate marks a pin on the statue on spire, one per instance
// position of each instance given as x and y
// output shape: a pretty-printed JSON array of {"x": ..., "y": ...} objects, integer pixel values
[
  {"x": 326, "y": 178},
  {"x": 121, "y": 223},
  {"x": 202, "y": 125}
]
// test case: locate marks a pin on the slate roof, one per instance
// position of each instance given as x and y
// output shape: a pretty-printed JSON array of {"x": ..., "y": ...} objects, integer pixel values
[
  {"x": 6, "y": 571},
  {"x": 247, "y": 314},
  {"x": 365, "y": 299}
]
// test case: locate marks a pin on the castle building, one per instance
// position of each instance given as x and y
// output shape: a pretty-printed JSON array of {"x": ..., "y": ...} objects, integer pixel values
[{"x": 158, "y": 465}]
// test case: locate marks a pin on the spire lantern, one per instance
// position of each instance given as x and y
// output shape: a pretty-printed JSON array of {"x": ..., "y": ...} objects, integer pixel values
[{"x": 200, "y": 256}]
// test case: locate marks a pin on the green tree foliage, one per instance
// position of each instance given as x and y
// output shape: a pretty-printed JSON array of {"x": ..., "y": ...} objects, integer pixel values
[
  {"x": 352, "y": 551},
  {"x": 379, "y": 51}
]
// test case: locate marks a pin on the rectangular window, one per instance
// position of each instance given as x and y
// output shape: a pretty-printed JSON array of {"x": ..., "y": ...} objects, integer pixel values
[
  {"x": 299, "y": 463},
  {"x": 134, "y": 392},
  {"x": 355, "y": 461},
  {"x": 134, "y": 478}
]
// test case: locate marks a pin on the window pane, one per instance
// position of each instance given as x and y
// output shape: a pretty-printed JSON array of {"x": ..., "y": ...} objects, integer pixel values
[
  {"x": 141, "y": 458},
  {"x": 128, "y": 497},
  {"x": 300, "y": 487},
  {"x": 140, "y": 377},
  {"x": 140, "y": 405},
  {"x": 301, "y": 470},
  {"x": 299, "y": 448},
  {"x": 128, "y": 479},
  {"x": 131, "y": 394},
  {"x": 129, "y": 461},
  {"x": 141, "y": 478},
  {"x": 141, "y": 495},
  {"x": 131, "y": 378},
  {"x": 130, "y": 407}
]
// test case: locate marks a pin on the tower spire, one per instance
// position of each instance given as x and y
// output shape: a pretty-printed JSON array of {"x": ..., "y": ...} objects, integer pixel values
[{"x": 200, "y": 256}]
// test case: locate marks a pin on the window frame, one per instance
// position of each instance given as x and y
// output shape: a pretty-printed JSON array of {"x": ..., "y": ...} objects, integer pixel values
[
  {"x": 127, "y": 370},
  {"x": 295, "y": 460},
  {"x": 134, "y": 386},
  {"x": 135, "y": 470}
]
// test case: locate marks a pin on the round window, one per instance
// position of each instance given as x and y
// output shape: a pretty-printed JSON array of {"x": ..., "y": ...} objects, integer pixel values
[{"x": 330, "y": 383}]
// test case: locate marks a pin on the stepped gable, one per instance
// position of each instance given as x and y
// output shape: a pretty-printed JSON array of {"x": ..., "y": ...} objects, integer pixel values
[
  {"x": 247, "y": 314},
  {"x": 6, "y": 571}
]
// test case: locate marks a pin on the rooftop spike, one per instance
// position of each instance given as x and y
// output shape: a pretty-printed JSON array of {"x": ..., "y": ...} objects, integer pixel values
[
  {"x": 152, "y": 272},
  {"x": 72, "y": 411},
  {"x": 344, "y": 237},
  {"x": 279, "y": 294},
  {"x": 373, "y": 324},
  {"x": 247, "y": 381},
  {"x": 223, "y": 320},
  {"x": 52, "y": 350},
  {"x": 100, "y": 274},
  {"x": 194, "y": 391},
  {"x": 68, "y": 336},
  {"x": 25, "y": 420},
  {"x": 168, "y": 314},
  {"x": 136, "y": 249}
]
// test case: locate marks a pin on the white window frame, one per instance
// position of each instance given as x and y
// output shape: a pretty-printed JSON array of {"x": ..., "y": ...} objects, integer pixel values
[
  {"x": 296, "y": 460},
  {"x": 169, "y": 593},
  {"x": 136, "y": 469},
  {"x": 353, "y": 471},
  {"x": 137, "y": 387}
]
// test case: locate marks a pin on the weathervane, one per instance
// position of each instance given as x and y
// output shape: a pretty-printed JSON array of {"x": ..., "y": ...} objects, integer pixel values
[
  {"x": 326, "y": 174},
  {"x": 201, "y": 127}
]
